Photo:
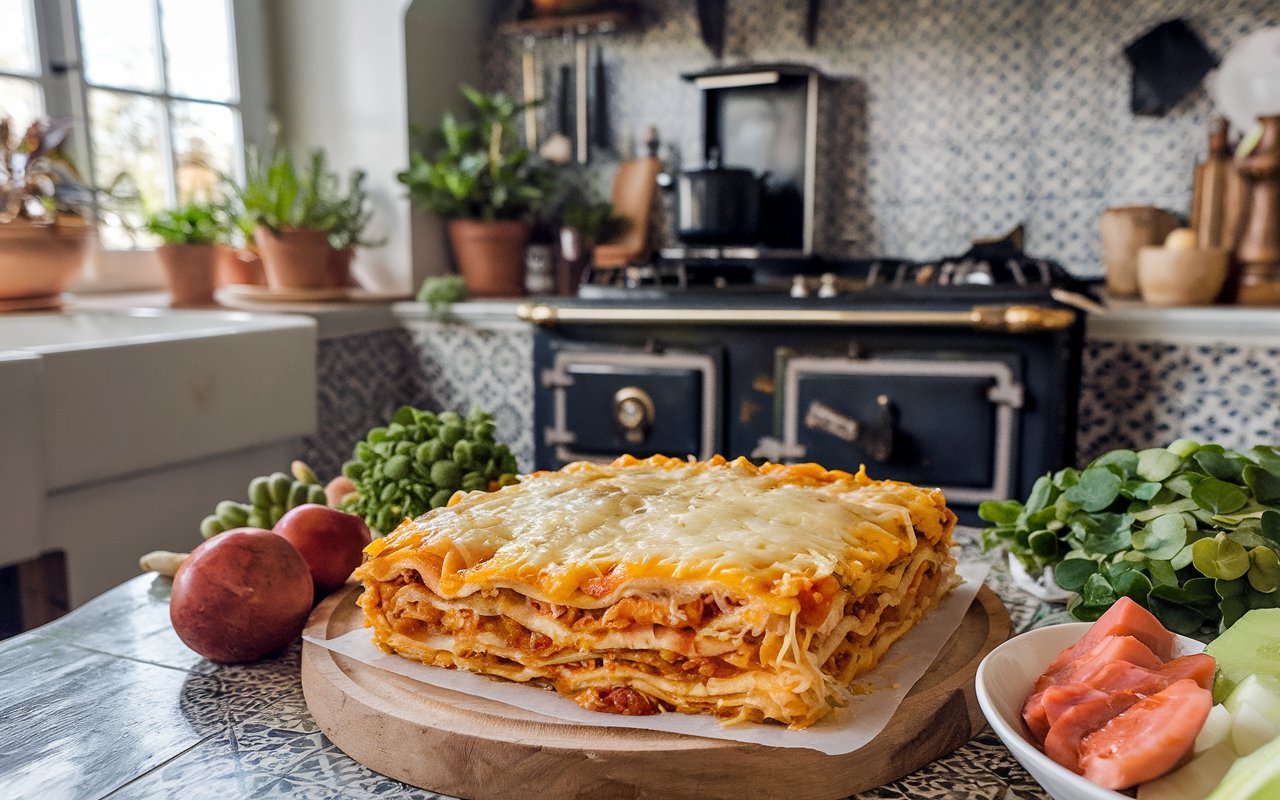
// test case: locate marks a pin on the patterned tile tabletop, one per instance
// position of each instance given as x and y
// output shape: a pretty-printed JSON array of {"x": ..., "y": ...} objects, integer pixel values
[{"x": 108, "y": 703}]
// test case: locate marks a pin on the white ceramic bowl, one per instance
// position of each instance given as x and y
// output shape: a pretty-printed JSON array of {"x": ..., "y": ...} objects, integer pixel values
[{"x": 1005, "y": 678}]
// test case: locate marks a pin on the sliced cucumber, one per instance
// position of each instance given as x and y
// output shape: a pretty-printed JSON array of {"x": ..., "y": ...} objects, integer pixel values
[
  {"x": 1193, "y": 780},
  {"x": 1251, "y": 645},
  {"x": 1255, "y": 777},
  {"x": 1250, "y": 730},
  {"x": 1216, "y": 728},
  {"x": 1259, "y": 692}
]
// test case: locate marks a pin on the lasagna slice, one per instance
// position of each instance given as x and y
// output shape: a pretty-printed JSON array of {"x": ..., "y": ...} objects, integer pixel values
[{"x": 751, "y": 593}]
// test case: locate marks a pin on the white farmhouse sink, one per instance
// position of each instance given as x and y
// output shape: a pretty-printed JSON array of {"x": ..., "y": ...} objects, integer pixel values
[
  {"x": 21, "y": 457},
  {"x": 136, "y": 411}
]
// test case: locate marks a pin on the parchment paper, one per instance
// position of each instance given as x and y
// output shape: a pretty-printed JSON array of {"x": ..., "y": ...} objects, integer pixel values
[{"x": 842, "y": 731}]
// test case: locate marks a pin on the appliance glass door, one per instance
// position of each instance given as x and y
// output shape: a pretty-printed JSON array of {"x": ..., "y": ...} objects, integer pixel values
[
  {"x": 946, "y": 423},
  {"x": 610, "y": 403}
]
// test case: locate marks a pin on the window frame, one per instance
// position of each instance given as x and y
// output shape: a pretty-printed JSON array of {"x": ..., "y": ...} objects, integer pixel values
[{"x": 65, "y": 90}]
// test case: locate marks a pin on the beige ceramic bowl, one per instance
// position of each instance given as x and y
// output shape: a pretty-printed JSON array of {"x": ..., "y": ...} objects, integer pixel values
[{"x": 1181, "y": 277}]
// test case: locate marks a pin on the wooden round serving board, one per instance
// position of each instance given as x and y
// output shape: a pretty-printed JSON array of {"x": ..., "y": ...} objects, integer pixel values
[{"x": 484, "y": 750}]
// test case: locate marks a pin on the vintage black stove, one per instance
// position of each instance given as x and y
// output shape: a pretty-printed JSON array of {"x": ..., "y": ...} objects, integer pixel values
[{"x": 961, "y": 373}]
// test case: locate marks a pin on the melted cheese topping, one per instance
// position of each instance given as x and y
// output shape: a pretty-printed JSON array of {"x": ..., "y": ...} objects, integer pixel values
[{"x": 579, "y": 534}]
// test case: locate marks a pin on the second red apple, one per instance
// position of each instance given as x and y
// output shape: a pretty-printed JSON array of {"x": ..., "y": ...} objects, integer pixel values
[{"x": 329, "y": 540}]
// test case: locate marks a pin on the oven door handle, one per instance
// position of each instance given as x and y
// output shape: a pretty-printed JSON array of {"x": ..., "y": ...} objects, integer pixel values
[{"x": 874, "y": 436}]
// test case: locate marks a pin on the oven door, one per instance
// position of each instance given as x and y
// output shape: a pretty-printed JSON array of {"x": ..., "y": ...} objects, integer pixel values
[
  {"x": 606, "y": 403},
  {"x": 946, "y": 423}
]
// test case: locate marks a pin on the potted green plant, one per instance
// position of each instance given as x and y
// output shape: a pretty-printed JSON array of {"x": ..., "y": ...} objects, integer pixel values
[
  {"x": 353, "y": 215},
  {"x": 585, "y": 223},
  {"x": 237, "y": 262},
  {"x": 486, "y": 185},
  {"x": 44, "y": 231},
  {"x": 293, "y": 213},
  {"x": 190, "y": 236}
]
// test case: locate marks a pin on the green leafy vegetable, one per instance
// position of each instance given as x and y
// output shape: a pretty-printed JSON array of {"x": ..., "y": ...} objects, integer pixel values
[
  {"x": 1163, "y": 539},
  {"x": 419, "y": 459},
  {"x": 440, "y": 291},
  {"x": 1157, "y": 464},
  {"x": 1098, "y": 488},
  {"x": 1191, "y": 531},
  {"x": 1218, "y": 496}
]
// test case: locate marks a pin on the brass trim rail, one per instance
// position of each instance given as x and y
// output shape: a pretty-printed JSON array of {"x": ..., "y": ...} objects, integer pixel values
[{"x": 1006, "y": 319}]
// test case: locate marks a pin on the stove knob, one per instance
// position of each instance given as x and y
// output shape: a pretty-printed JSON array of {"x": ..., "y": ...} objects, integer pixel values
[
  {"x": 633, "y": 413},
  {"x": 827, "y": 285}
]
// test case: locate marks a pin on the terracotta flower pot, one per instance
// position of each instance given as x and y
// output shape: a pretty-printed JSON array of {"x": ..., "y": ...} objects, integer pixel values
[
  {"x": 490, "y": 255},
  {"x": 188, "y": 268},
  {"x": 339, "y": 267},
  {"x": 40, "y": 260},
  {"x": 238, "y": 267},
  {"x": 294, "y": 259}
]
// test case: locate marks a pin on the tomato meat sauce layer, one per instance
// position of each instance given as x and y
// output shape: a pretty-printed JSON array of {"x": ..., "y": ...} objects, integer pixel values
[{"x": 1116, "y": 706}]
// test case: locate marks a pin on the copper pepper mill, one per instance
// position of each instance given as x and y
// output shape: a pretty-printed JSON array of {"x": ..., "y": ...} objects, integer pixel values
[{"x": 1258, "y": 250}]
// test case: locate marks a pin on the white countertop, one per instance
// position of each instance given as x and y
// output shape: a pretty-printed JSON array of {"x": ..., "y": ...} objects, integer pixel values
[
  {"x": 1133, "y": 321},
  {"x": 333, "y": 320}
]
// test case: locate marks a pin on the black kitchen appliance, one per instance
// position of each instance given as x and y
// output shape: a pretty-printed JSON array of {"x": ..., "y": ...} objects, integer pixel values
[
  {"x": 762, "y": 120},
  {"x": 961, "y": 373}
]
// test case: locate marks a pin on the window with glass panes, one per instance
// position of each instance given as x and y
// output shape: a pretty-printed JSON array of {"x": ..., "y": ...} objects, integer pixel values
[
  {"x": 21, "y": 72},
  {"x": 154, "y": 83}
]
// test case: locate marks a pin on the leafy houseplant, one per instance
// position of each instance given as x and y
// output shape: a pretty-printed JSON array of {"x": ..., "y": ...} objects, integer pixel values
[
  {"x": 190, "y": 235},
  {"x": 44, "y": 235},
  {"x": 353, "y": 215},
  {"x": 585, "y": 223},
  {"x": 594, "y": 222},
  {"x": 296, "y": 213},
  {"x": 482, "y": 181}
]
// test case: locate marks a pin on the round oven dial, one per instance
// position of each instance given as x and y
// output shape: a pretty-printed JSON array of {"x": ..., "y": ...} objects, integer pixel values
[{"x": 633, "y": 413}]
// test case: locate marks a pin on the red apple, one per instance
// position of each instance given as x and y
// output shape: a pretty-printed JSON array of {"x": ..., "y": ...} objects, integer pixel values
[
  {"x": 241, "y": 595},
  {"x": 331, "y": 542}
]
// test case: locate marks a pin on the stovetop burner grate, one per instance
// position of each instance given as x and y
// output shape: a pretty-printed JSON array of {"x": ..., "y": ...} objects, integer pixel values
[{"x": 968, "y": 278}]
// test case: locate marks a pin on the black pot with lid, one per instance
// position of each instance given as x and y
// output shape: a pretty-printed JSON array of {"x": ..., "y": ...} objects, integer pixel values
[{"x": 718, "y": 205}]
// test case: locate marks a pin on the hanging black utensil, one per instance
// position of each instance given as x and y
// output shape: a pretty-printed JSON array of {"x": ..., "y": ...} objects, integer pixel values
[
  {"x": 600, "y": 102},
  {"x": 711, "y": 25},
  {"x": 564, "y": 101}
]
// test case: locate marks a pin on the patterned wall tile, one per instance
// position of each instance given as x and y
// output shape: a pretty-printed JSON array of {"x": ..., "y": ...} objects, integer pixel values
[
  {"x": 1067, "y": 228},
  {"x": 361, "y": 381},
  {"x": 940, "y": 83},
  {"x": 1146, "y": 394},
  {"x": 991, "y": 169},
  {"x": 989, "y": 219},
  {"x": 458, "y": 366},
  {"x": 1157, "y": 163},
  {"x": 1069, "y": 167}
]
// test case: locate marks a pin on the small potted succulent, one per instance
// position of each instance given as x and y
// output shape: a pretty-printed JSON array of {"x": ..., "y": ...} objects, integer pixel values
[
  {"x": 486, "y": 185},
  {"x": 44, "y": 230},
  {"x": 301, "y": 218},
  {"x": 190, "y": 236}
]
